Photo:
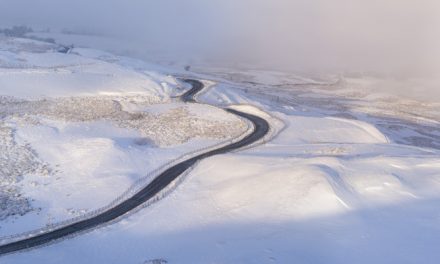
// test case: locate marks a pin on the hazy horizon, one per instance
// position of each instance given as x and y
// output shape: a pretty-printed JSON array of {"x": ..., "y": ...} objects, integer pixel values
[{"x": 393, "y": 36}]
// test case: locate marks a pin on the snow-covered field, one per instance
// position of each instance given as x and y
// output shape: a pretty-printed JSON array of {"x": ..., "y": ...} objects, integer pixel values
[
  {"x": 352, "y": 177},
  {"x": 78, "y": 129}
]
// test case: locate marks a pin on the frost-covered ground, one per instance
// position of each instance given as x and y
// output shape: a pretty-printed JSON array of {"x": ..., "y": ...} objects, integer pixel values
[
  {"x": 78, "y": 129},
  {"x": 353, "y": 177}
]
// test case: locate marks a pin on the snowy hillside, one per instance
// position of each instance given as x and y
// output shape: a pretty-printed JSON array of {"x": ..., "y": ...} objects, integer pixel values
[
  {"x": 78, "y": 129},
  {"x": 350, "y": 175},
  {"x": 26, "y": 63}
]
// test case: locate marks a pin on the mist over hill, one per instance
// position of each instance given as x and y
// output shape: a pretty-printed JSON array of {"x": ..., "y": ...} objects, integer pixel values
[{"x": 395, "y": 37}]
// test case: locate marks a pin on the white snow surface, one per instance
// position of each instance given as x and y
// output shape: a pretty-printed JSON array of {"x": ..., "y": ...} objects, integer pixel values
[
  {"x": 37, "y": 70},
  {"x": 349, "y": 179},
  {"x": 71, "y": 145}
]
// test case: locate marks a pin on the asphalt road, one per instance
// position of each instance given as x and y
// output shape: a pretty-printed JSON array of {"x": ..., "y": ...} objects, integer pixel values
[{"x": 158, "y": 184}]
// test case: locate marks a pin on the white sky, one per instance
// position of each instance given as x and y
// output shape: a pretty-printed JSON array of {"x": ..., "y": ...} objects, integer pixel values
[{"x": 400, "y": 35}]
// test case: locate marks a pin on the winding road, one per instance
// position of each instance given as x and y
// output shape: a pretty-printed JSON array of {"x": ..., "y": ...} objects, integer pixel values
[{"x": 261, "y": 128}]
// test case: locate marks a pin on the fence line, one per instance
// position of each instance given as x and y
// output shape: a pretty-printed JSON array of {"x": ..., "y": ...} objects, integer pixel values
[
  {"x": 144, "y": 181},
  {"x": 134, "y": 188}
]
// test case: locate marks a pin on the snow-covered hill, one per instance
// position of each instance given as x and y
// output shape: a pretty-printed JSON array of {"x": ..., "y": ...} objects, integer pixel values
[
  {"x": 351, "y": 177},
  {"x": 78, "y": 129}
]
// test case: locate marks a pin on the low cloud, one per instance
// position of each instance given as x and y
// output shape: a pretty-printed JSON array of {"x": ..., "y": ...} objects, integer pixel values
[{"x": 372, "y": 35}]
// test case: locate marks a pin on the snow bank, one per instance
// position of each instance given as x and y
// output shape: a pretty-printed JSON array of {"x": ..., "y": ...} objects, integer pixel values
[
  {"x": 303, "y": 129},
  {"x": 27, "y": 73},
  {"x": 256, "y": 207}
]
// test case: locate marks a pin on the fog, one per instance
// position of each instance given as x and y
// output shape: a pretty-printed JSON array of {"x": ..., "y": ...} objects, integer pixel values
[{"x": 400, "y": 36}]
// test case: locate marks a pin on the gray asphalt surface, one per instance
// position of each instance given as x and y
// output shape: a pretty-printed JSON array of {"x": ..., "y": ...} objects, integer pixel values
[{"x": 158, "y": 184}]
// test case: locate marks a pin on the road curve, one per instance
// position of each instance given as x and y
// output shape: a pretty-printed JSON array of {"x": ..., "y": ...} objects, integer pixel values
[{"x": 148, "y": 192}]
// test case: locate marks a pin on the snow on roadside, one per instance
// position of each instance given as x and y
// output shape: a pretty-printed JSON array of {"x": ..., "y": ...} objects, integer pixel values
[
  {"x": 280, "y": 203},
  {"x": 103, "y": 153},
  {"x": 337, "y": 185},
  {"x": 81, "y": 128}
]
